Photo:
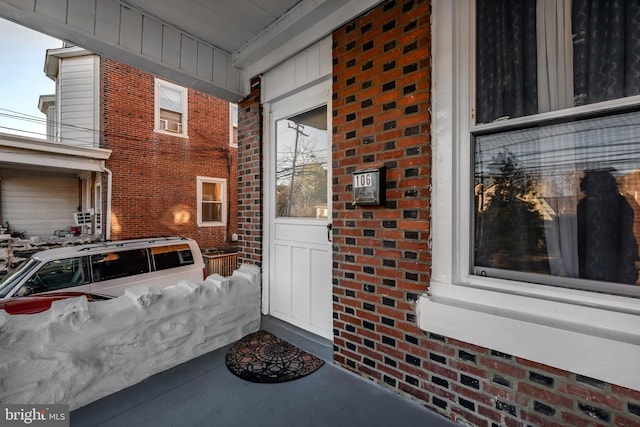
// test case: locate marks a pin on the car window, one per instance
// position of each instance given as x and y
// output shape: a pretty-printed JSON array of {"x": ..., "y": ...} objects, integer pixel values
[
  {"x": 54, "y": 275},
  {"x": 117, "y": 264},
  {"x": 165, "y": 257},
  {"x": 10, "y": 281}
]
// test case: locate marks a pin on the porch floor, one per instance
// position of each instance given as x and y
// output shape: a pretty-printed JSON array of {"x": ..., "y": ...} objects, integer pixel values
[{"x": 202, "y": 392}]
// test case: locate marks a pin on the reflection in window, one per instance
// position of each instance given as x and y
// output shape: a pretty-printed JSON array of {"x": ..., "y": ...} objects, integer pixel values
[
  {"x": 233, "y": 124},
  {"x": 211, "y": 201},
  {"x": 115, "y": 265},
  {"x": 301, "y": 170},
  {"x": 171, "y": 101},
  {"x": 556, "y": 202},
  {"x": 58, "y": 274},
  {"x": 560, "y": 200},
  {"x": 166, "y": 257}
]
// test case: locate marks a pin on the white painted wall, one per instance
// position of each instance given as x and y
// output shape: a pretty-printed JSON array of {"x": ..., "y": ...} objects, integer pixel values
[
  {"x": 78, "y": 352},
  {"x": 36, "y": 203},
  {"x": 299, "y": 71}
]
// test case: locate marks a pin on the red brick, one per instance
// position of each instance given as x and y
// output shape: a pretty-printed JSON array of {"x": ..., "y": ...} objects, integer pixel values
[
  {"x": 546, "y": 395},
  {"x": 155, "y": 174},
  {"x": 591, "y": 395}
]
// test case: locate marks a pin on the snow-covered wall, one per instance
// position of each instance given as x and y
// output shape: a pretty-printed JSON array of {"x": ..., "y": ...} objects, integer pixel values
[{"x": 78, "y": 352}]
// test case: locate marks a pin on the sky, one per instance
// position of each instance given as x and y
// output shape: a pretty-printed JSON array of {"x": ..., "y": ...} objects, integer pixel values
[{"x": 23, "y": 79}]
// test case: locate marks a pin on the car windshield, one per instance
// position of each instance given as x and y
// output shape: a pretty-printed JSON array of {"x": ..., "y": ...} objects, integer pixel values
[{"x": 9, "y": 282}]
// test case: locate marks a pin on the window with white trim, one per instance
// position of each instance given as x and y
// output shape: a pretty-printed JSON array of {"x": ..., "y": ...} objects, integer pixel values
[
  {"x": 566, "y": 185},
  {"x": 212, "y": 201},
  {"x": 233, "y": 125},
  {"x": 171, "y": 105},
  {"x": 581, "y": 325}
]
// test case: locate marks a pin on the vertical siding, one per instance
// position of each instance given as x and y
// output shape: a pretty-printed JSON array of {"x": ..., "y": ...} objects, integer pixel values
[
  {"x": 77, "y": 101},
  {"x": 37, "y": 202},
  {"x": 308, "y": 66}
]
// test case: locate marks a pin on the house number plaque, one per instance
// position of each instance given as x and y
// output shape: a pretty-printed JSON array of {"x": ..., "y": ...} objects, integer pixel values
[{"x": 368, "y": 187}]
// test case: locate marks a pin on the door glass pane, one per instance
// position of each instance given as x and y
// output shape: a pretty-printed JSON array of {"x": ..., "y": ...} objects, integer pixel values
[{"x": 301, "y": 165}]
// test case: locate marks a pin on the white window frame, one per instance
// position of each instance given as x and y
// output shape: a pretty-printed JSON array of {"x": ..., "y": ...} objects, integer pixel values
[
  {"x": 204, "y": 179},
  {"x": 596, "y": 335},
  {"x": 184, "y": 113},
  {"x": 233, "y": 123}
]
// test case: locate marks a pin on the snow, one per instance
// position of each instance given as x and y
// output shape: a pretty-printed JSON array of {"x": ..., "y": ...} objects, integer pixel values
[{"x": 78, "y": 352}]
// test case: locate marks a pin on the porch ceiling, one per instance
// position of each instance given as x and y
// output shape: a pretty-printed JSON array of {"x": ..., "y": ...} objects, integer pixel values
[{"x": 227, "y": 24}]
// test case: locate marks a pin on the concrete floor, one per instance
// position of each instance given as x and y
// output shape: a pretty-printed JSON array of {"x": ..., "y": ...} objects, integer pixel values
[{"x": 202, "y": 392}]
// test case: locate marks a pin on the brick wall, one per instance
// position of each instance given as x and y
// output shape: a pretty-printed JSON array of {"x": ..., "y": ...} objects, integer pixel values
[
  {"x": 381, "y": 117},
  {"x": 154, "y": 175},
  {"x": 250, "y": 189}
]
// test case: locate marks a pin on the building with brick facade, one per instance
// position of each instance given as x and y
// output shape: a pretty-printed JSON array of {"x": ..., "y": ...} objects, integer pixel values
[
  {"x": 450, "y": 258},
  {"x": 169, "y": 165},
  {"x": 408, "y": 311},
  {"x": 163, "y": 179}
]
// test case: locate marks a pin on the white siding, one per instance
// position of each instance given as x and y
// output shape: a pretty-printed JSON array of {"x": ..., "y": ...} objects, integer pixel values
[
  {"x": 307, "y": 67},
  {"x": 37, "y": 204},
  {"x": 51, "y": 123},
  {"x": 78, "y": 111}
]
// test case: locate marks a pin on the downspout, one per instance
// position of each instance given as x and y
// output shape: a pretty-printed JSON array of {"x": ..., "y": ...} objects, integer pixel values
[{"x": 108, "y": 213}]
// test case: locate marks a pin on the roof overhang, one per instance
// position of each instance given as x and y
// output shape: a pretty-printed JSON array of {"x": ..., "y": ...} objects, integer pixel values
[
  {"x": 53, "y": 57},
  {"x": 23, "y": 152}
]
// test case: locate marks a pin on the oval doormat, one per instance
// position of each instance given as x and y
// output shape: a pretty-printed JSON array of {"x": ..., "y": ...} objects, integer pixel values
[{"x": 262, "y": 357}]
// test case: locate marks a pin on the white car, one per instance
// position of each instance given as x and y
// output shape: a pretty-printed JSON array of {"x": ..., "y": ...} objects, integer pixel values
[{"x": 107, "y": 268}]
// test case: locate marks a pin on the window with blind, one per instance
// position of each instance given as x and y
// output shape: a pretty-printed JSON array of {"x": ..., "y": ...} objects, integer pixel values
[
  {"x": 212, "y": 201},
  {"x": 171, "y": 108}
]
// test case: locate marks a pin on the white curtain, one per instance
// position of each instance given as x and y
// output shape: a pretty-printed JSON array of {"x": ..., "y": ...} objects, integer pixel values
[
  {"x": 555, "y": 92},
  {"x": 555, "y": 55}
]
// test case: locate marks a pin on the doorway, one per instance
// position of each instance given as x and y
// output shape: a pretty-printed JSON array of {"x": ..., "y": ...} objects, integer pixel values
[{"x": 300, "y": 256}]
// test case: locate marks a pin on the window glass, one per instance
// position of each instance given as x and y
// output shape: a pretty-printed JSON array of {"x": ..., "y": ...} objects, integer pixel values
[
  {"x": 556, "y": 202},
  {"x": 10, "y": 281},
  {"x": 212, "y": 199},
  {"x": 171, "y": 102},
  {"x": 170, "y": 98},
  {"x": 233, "y": 125},
  {"x": 166, "y": 257},
  {"x": 114, "y": 265},
  {"x": 55, "y": 275},
  {"x": 301, "y": 170}
]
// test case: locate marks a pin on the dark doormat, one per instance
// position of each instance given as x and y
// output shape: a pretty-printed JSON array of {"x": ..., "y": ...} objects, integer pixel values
[{"x": 261, "y": 357}]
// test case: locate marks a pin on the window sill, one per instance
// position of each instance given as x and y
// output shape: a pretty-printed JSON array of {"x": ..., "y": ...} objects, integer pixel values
[
  {"x": 176, "y": 134},
  {"x": 580, "y": 338},
  {"x": 211, "y": 224}
]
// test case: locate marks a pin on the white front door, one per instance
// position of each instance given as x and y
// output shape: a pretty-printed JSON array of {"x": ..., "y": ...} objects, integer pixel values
[{"x": 300, "y": 289}]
